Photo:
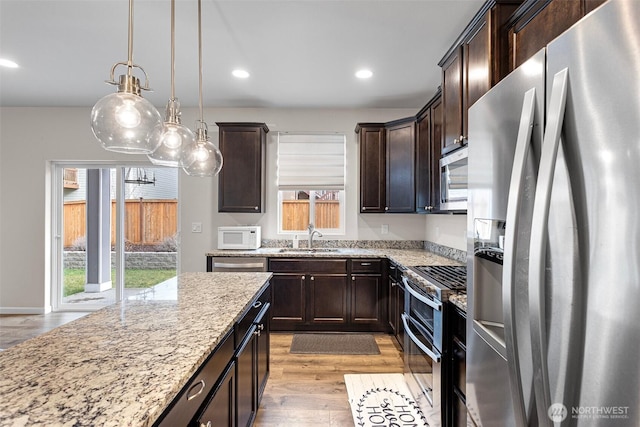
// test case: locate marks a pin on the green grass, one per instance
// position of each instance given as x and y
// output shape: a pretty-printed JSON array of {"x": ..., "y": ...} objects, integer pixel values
[{"x": 74, "y": 279}]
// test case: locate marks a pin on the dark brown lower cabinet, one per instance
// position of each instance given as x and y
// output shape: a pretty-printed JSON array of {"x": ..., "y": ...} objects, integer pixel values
[
  {"x": 456, "y": 395},
  {"x": 246, "y": 378},
  {"x": 330, "y": 294},
  {"x": 396, "y": 304},
  {"x": 221, "y": 409}
]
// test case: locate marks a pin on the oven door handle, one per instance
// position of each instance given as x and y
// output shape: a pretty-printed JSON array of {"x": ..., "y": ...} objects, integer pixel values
[
  {"x": 433, "y": 304},
  {"x": 407, "y": 329}
]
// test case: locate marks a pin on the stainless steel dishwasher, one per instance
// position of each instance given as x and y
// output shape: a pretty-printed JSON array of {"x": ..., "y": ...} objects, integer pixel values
[{"x": 238, "y": 264}]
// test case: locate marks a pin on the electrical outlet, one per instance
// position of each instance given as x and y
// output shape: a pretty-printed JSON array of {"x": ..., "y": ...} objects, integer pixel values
[
  {"x": 196, "y": 227},
  {"x": 385, "y": 229}
]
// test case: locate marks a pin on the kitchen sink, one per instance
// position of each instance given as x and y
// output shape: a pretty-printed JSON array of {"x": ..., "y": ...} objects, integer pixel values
[{"x": 307, "y": 250}]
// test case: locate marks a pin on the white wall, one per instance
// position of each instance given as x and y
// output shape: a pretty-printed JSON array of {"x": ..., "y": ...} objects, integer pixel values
[
  {"x": 447, "y": 230},
  {"x": 32, "y": 137},
  {"x": 200, "y": 205}
]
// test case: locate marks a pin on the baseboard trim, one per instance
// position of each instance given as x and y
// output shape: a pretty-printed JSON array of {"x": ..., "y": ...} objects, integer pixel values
[{"x": 25, "y": 310}]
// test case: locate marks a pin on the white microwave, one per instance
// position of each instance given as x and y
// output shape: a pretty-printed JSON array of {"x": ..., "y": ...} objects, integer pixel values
[{"x": 239, "y": 237}]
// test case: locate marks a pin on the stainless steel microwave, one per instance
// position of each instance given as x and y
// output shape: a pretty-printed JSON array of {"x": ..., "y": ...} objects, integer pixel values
[
  {"x": 454, "y": 183},
  {"x": 239, "y": 237}
]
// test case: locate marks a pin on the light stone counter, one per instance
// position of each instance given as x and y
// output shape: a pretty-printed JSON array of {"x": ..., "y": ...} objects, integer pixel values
[
  {"x": 124, "y": 364},
  {"x": 403, "y": 257}
]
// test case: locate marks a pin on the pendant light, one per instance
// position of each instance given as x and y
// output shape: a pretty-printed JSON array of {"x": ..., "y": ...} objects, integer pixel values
[
  {"x": 124, "y": 121},
  {"x": 201, "y": 158},
  {"x": 171, "y": 134}
]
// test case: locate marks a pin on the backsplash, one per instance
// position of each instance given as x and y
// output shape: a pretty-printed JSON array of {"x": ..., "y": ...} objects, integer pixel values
[{"x": 445, "y": 251}]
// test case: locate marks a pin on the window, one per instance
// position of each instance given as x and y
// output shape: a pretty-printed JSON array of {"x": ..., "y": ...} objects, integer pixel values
[{"x": 311, "y": 182}]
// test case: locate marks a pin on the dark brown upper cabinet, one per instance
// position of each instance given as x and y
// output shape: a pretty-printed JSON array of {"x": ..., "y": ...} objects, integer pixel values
[
  {"x": 428, "y": 148},
  {"x": 241, "y": 180},
  {"x": 372, "y": 167},
  {"x": 475, "y": 63},
  {"x": 537, "y": 22},
  {"x": 400, "y": 176},
  {"x": 387, "y": 166}
]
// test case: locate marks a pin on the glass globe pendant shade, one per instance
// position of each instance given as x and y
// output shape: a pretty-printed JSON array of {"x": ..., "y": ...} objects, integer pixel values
[
  {"x": 124, "y": 122},
  {"x": 201, "y": 158},
  {"x": 172, "y": 135}
]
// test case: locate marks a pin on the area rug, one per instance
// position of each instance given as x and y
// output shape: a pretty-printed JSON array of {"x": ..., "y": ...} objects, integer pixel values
[
  {"x": 334, "y": 344},
  {"x": 382, "y": 400}
]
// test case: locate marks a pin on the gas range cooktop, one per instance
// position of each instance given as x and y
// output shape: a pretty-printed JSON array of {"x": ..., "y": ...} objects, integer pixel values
[{"x": 453, "y": 277}]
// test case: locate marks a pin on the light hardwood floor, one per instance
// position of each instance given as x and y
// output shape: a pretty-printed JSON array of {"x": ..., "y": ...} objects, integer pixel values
[
  {"x": 17, "y": 328},
  {"x": 308, "y": 390}
]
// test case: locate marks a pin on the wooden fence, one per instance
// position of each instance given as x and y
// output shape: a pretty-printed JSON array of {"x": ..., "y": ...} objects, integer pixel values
[
  {"x": 147, "y": 221},
  {"x": 295, "y": 214}
]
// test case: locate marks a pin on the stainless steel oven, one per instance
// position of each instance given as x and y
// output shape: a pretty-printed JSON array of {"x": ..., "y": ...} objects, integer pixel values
[{"x": 423, "y": 320}]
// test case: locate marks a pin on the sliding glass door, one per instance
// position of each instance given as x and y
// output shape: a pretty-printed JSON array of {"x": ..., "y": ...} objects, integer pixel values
[{"x": 115, "y": 231}]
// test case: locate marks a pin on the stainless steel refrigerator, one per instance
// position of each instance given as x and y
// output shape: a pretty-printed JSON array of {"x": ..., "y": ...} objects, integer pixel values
[{"x": 553, "y": 321}]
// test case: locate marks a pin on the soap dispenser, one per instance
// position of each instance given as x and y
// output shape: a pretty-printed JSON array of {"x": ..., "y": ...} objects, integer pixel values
[{"x": 295, "y": 241}]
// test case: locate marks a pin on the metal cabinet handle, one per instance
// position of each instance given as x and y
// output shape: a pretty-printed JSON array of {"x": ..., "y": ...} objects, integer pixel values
[
  {"x": 364, "y": 208},
  {"x": 257, "y": 304},
  {"x": 353, "y": 278},
  {"x": 303, "y": 278},
  {"x": 208, "y": 424},
  {"x": 365, "y": 264},
  {"x": 261, "y": 327},
  {"x": 313, "y": 278},
  {"x": 255, "y": 208},
  {"x": 201, "y": 384},
  {"x": 386, "y": 208}
]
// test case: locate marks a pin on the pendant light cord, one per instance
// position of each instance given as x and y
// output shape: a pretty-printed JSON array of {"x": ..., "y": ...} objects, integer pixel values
[
  {"x": 173, "y": 47},
  {"x": 200, "y": 57},
  {"x": 130, "y": 55}
]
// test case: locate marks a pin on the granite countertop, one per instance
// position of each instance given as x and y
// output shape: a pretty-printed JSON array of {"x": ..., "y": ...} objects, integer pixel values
[
  {"x": 402, "y": 257},
  {"x": 124, "y": 364}
]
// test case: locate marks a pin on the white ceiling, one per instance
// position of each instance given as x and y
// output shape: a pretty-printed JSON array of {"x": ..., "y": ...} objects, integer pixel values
[{"x": 300, "y": 53}]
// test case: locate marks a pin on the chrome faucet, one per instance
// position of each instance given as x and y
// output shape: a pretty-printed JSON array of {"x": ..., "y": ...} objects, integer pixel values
[{"x": 312, "y": 232}]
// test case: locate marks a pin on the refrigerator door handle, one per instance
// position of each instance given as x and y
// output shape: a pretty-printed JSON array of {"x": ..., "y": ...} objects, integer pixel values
[
  {"x": 522, "y": 150},
  {"x": 538, "y": 245}
]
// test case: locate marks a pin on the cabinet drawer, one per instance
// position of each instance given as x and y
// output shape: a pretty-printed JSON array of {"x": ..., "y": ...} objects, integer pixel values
[
  {"x": 185, "y": 406},
  {"x": 249, "y": 317},
  {"x": 308, "y": 265},
  {"x": 373, "y": 266}
]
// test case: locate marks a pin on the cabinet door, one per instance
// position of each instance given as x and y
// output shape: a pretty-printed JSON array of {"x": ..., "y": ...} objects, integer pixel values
[
  {"x": 428, "y": 149},
  {"x": 477, "y": 64},
  {"x": 366, "y": 299},
  {"x": 288, "y": 308},
  {"x": 400, "y": 166},
  {"x": 541, "y": 23},
  {"x": 393, "y": 314},
  {"x": 263, "y": 347},
  {"x": 246, "y": 377},
  {"x": 437, "y": 118},
  {"x": 328, "y": 299},
  {"x": 400, "y": 328},
  {"x": 221, "y": 409},
  {"x": 240, "y": 183},
  {"x": 372, "y": 168},
  {"x": 452, "y": 101}
]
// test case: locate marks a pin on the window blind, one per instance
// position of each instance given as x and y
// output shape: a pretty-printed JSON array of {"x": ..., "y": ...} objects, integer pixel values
[{"x": 311, "y": 161}]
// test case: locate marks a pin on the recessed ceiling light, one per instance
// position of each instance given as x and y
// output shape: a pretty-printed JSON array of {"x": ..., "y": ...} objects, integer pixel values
[
  {"x": 241, "y": 74},
  {"x": 7, "y": 63},
  {"x": 364, "y": 74}
]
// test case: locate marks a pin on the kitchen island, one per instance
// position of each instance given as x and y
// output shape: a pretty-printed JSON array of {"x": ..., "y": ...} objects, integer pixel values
[{"x": 124, "y": 364}]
